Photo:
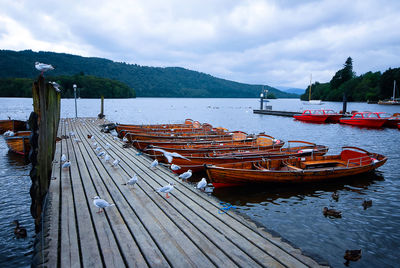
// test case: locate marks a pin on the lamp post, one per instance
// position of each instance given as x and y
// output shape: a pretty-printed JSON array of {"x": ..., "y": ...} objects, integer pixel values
[
  {"x": 76, "y": 109},
  {"x": 261, "y": 100}
]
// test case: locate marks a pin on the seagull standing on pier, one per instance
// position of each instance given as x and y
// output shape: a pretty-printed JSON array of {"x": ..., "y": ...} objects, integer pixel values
[
  {"x": 63, "y": 158},
  {"x": 166, "y": 189},
  {"x": 43, "y": 67},
  {"x": 202, "y": 184},
  {"x": 175, "y": 167},
  {"x": 107, "y": 158},
  {"x": 66, "y": 164},
  {"x": 101, "y": 204},
  {"x": 154, "y": 164},
  {"x": 132, "y": 181},
  {"x": 186, "y": 175},
  {"x": 116, "y": 162}
]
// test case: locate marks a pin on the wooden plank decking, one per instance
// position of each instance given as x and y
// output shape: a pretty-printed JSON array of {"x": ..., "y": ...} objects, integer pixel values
[{"x": 143, "y": 228}]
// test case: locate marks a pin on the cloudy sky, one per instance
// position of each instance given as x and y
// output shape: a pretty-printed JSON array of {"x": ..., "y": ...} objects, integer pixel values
[{"x": 279, "y": 43}]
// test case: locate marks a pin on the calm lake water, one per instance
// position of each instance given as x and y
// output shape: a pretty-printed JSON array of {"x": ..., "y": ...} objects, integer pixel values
[{"x": 293, "y": 213}]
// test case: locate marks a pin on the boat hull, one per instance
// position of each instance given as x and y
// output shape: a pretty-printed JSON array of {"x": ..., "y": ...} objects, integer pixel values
[
  {"x": 372, "y": 123},
  {"x": 13, "y": 125},
  {"x": 196, "y": 163},
  {"x": 318, "y": 169},
  {"x": 19, "y": 144},
  {"x": 312, "y": 118}
]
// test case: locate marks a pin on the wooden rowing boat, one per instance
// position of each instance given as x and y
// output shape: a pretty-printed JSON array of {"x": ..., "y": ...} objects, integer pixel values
[
  {"x": 19, "y": 143},
  {"x": 351, "y": 161},
  {"x": 189, "y": 123},
  {"x": 13, "y": 125},
  {"x": 169, "y": 133},
  {"x": 235, "y": 135},
  {"x": 196, "y": 161},
  {"x": 238, "y": 140}
]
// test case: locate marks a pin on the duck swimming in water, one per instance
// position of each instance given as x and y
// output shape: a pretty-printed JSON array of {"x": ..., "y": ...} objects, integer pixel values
[
  {"x": 352, "y": 255},
  {"x": 367, "y": 203},
  {"x": 20, "y": 232},
  {"x": 332, "y": 212}
]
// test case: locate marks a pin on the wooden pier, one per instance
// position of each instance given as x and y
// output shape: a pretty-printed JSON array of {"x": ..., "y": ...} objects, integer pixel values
[
  {"x": 143, "y": 228},
  {"x": 279, "y": 113}
]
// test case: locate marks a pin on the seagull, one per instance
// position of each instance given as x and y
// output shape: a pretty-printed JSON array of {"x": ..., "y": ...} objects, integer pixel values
[
  {"x": 132, "y": 181},
  {"x": 9, "y": 133},
  {"x": 43, "y": 67},
  {"x": 116, "y": 138},
  {"x": 94, "y": 144},
  {"x": 66, "y": 164},
  {"x": 202, "y": 184},
  {"x": 56, "y": 86},
  {"x": 125, "y": 139},
  {"x": 101, "y": 154},
  {"x": 114, "y": 133},
  {"x": 116, "y": 162},
  {"x": 169, "y": 155},
  {"x": 92, "y": 137},
  {"x": 107, "y": 158},
  {"x": 101, "y": 204},
  {"x": 186, "y": 175},
  {"x": 166, "y": 189},
  {"x": 77, "y": 140},
  {"x": 63, "y": 158},
  {"x": 98, "y": 149},
  {"x": 108, "y": 145},
  {"x": 71, "y": 133},
  {"x": 175, "y": 167},
  {"x": 154, "y": 164}
]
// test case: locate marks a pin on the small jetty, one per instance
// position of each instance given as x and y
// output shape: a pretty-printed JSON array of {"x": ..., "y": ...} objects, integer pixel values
[
  {"x": 144, "y": 228},
  {"x": 279, "y": 113}
]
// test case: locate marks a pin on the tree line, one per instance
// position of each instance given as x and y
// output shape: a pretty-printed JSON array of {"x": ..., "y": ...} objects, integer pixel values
[
  {"x": 88, "y": 86},
  {"x": 147, "y": 81},
  {"x": 372, "y": 86}
]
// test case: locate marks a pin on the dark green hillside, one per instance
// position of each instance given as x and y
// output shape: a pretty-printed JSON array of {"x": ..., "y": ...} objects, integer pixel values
[
  {"x": 88, "y": 87},
  {"x": 147, "y": 81}
]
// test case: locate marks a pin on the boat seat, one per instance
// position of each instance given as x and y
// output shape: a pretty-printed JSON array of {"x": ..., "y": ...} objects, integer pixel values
[{"x": 322, "y": 163}]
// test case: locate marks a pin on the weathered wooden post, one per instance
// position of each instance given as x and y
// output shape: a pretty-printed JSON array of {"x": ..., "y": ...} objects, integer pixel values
[
  {"x": 101, "y": 114},
  {"x": 44, "y": 122},
  {"x": 344, "y": 103}
]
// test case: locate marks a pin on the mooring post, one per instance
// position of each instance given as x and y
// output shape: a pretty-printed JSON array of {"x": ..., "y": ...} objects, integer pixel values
[
  {"x": 344, "y": 103},
  {"x": 101, "y": 114},
  {"x": 43, "y": 122}
]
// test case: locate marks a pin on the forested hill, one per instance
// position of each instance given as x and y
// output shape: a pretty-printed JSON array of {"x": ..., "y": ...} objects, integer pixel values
[{"x": 146, "y": 81}]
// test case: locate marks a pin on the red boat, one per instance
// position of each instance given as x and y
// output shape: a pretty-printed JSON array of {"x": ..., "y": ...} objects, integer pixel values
[
  {"x": 392, "y": 120},
  {"x": 365, "y": 119},
  {"x": 318, "y": 116}
]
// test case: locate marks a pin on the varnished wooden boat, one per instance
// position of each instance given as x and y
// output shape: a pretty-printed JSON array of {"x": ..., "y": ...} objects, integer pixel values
[
  {"x": 351, "y": 161},
  {"x": 196, "y": 161},
  {"x": 175, "y": 128},
  {"x": 235, "y": 135},
  {"x": 238, "y": 140},
  {"x": 13, "y": 125},
  {"x": 19, "y": 143},
  {"x": 189, "y": 123},
  {"x": 172, "y": 132}
]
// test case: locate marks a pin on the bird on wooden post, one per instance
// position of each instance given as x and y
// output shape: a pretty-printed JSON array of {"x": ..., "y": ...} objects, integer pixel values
[{"x": 43, "y": 67}]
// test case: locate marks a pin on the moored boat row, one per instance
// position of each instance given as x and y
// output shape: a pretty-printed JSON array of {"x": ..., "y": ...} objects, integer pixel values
[
  {"x": 361, "y": 119},
  {"x": 236, "y": 158}
]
